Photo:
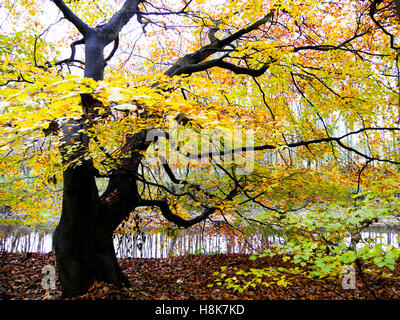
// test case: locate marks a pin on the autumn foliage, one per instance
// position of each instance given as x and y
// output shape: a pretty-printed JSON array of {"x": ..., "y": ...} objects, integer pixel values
[{"x": 276, "y": 114}]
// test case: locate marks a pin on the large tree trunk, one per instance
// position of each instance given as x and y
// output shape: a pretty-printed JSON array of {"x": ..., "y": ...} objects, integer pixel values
[{"x": 83, "y": 240}]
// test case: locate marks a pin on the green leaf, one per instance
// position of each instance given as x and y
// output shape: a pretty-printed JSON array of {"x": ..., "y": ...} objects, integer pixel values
[{"x": 348, "y": 257}]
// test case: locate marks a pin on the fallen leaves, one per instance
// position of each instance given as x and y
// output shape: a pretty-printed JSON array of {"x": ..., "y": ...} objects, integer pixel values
[
  {"x": 185, "y": 278},
  {"x": 21, "y": 276}
]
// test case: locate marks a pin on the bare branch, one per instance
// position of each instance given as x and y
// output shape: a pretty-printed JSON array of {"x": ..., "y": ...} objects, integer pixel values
[
  {"x": 73, "y": 51},
  {"x": 37, "y": 39},
  {"x": 242, "y": 32},
  {"x": 241, "y": 70},
  {"x": 359, "y": 175},
  {"x": 170, "y": 216},
  {"x": 72, "y": 17},
  {"x": 372, "y": 12},
  {"x": 179, "y": 221},
  {"x": 191, "y": 63},
  {"x": 116, "y": 45},
  {"x": 397, "y": 4},
  {"x": 19, "y": 79},
  {"x": 328, "y": 47},
  {"x": 338, "y": 140},
  {"x": 164, "y": 12}
]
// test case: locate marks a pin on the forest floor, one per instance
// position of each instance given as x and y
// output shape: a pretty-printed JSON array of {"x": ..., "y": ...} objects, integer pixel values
[{"x": 188, "y": 278}]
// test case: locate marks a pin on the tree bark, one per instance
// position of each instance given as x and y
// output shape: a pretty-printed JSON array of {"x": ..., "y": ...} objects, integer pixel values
[{"x": 83, "y": 240}]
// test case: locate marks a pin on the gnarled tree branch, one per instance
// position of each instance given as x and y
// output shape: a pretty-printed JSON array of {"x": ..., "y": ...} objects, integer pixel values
[
  {"x": 170, "y": 216},
  {"x": 179, "y": 221},
  {"x": 192, "y": 62},
  {"x": 73, "y": 51}
]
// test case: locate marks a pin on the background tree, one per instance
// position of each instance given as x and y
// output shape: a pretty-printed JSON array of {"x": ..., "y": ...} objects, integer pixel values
[{"x": 317, "y": 83}]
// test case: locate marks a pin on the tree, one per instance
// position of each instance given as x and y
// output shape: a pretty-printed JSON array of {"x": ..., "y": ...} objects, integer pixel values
[{"x": 292, "y": 72}]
